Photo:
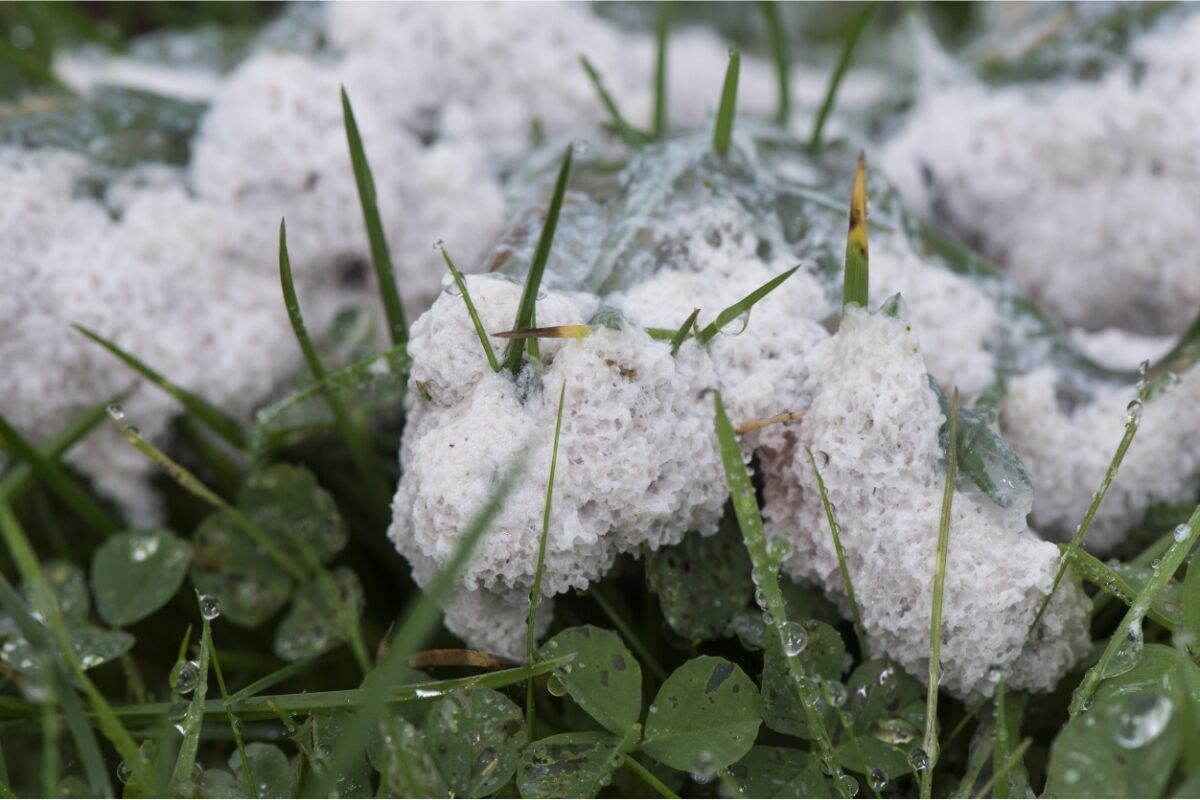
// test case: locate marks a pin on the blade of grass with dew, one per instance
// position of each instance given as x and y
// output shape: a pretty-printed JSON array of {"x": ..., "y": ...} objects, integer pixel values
[
  {"x": 681, "y": 335},
  {"x": 59, "y": 481},
  {"x": 1112, "y": 583},
  {"x": 1130, "y": 627},
  {"x": 745, "y": 506},
  {"x": 14, "y": 484},
  {"x": 779, "y": 55},
  {"x": 193, "y": 721},
  {"x": 632, "y": 137},
  {"x": 662, "y": 25},
  {"x": 352, "y": 427},
  {"x": 848, "y": 730},
  {"x": 381, "y": 257},
  {"x": 930, "y": 741},
  {"x": 213, "y": 418},
  {"x": 839, "y": 71},
  {"x": 1131, "y": 427},
  {"x": 484, "y": 341},
  {"x": 1009, "y": 765},
  {"x": 533, "y": 281},
  {"x": 81, "y": 731},
  {"x": 31, "y": 572},
  {"x": 273, "y": 679},
  {"x": 310, "y": 565},
  {"x": 855, "y": 616},
  {"x": 535, "y": 595},
  {"x": 234, "y": 725},
  {"x": 422, "y": 618},
  {"x": 727, "y": 110},
  {"x": 742, "y": 306},
  {"x": 856, "y": 282}
]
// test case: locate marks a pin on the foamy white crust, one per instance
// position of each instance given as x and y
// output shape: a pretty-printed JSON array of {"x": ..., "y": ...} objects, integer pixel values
[
  {"x": 1086, "y": 191},
  {"x": 873, "y": 423},
  {"x": 637, "y": 465}
]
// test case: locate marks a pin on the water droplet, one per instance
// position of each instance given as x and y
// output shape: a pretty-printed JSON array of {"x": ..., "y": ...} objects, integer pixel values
[
  {"x": 850, "y": 784},
  {"x": 144, "y": 547},
  {"x": 555, "y": 686},
  {"x": 768, "y": 618},
  {"x": 1133, "y": 411},
  {"x": 732, "y": 51},
  {"x": 197, "y": 772},
  {"x": 736, "y": 326},
  {"x": 210, "y": 607},
  {"x": 703, "y": 770},
  {"x": 450, "y": 286},
  {"x": 1141, "y": 719},
  {"x": 760, "y": 597},
  {"x": 1128, "y": 653},
  {"x": 439, "y": 245},
  {"x": 894, "y": 730},
  {"x": 918, "y": 759},
  {"x": 184, "y": 676},
  {"x": 116, "y": 412},
  {"x": 878, "y": 780},
  {"x": 581, "y": 148},
  {"x": 124, "y": 772},
  {"x": 835, "y": 692},
  {"x": 541, "y": 293},
  {"x": 1181, "y": 532}
]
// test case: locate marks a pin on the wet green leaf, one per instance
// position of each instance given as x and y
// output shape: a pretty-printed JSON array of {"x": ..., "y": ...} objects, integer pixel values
[
  {"x": 270, "y": 767},
  {"x": 68, "y": 584},
  {"x": 136, "y": 572},
  {"x": 474, "y": 736},
  {"x": 312, "y": 625},
  {"x": 568, "y": 765},
  {"x": 820, "y": 659},
  {"x": 325, "y": 732},
  {"x": 95, "y": 646},
  {"x": 227, "y": 564},
  {"x": 405, "y": 764},
  {"x": 702, "y": 582},
  {"x": 886, "y": 707},
  {"x": 220, "y": 785},
  {"x": 777, "y": 772},
  {"x": 286, "y": 502},
  {"x": 605, "y": 679},
  {"x": 705, "y": 716}
]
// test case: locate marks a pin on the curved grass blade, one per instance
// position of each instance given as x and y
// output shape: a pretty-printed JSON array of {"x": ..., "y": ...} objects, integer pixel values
[
  {"x": 727, "y": 110},
  {"x": 59, "y": 481},
  {"x": 930, "y": 742},
  {"x": 14, "y": 484},
  {"x": 779, "y": 55},
  {"x": 484, "y": 341},
  {"x": 839, "y": 71},
  {"x": 385, "y": 275},
  {"x": 213, "y": 418},
  {"x": 352, "y": 427},
  {"x": 526, "y": 311},
  {"x": 685, "y": 329},
  {"x": 662, "y": 25},
  {"x": 855, "y": 616},
  {"x": 1130, "y": 626},
  {"x": 535, "y": 595},
  {"x": 193, "y": 720},
  {"x": 745, "y": 506},
  {"x": 31, "y": 572},
  {"x": 856, "y": 285},
  {"x": 632, "y": 137},
  {"x": 742, "y": 306}
]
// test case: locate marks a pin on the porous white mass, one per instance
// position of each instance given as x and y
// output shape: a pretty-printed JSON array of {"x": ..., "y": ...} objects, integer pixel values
[
  {"x": 637, "y": 462},
  {"x": 1084, "y": 189},
  {"x": 873, "y": 425}
]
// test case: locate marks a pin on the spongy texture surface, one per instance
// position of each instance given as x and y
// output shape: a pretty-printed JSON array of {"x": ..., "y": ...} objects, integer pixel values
[
  {"x": 873, "y": 427},
  {"x": 1081, "y": 188}
]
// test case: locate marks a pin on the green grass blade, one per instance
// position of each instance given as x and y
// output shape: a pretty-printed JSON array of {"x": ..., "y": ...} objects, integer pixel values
[
  {"x": 930, "y": 741},
  {"x": 385, "y": 275},
  {"x": 1009, "y": 765},
  {"x": 278, "y": 676},
  {"x": 834, "y": 531},
  {"x": 1111, "y": 582},
  {"x": 484, "y": 341},
  {"x": 745, "y": 506},
  {"x": 352, "y": 427},
  {"x": 19, "y": 478},
  {"x": 1130, "y": 627},
  {"x": 742, "y": 306},
  {"x": 685, "y": 329},
  {"x": 856, "y": 285},
  {"x": 662, "y": 26},
  {"x": 84, "y": 737},
  {"x": 193, "y": 722},
  {"x": 235, "y": 727},
  {"x": 779, "y": 55},
  {"x": 525, "y": 312},
  {"x": 1131, "y": 427},
  {"x": 59, "y": 481},
  {"x": 31, "y": 572},
  {"x": 536, "y": 594},
  {"x": 839, "y": 71},
  {"x": 637, "y": 768},
  {"x": 214, "y": 418},
  {"x": 629, "y": 135},
  {"x": 727, "y": 110}
]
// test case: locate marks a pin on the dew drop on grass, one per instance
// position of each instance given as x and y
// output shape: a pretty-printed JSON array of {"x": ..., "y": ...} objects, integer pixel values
[
  {"x": 1181, "y": 532},
  {"x": 1133, "y": 411},
  {"x": 1142, "y": 719},
  {"x": 878, "y": 780},
  {"x": 581, "y": 148},
  {"x": 918, "y": 759},
  {"x": 850, "y": 784},
  {"x": 450, "y": 286},
  {"x": 894, "y": 730},
  {"x": 124, "y": 772},
  {"x": 184, "y": 676},
  {"x": 835, "y": 691},
  {"x": 555, "y": 686},
  {"x": 440, "y": 244},
  {"x": 737, "y": 325},
  {"x": 115, "y": 412},
  {"x": 210, "y": 607},
  {"x": 1127, "y": 654}
]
